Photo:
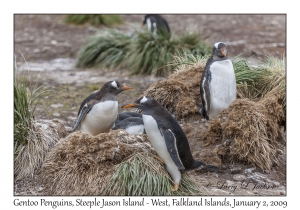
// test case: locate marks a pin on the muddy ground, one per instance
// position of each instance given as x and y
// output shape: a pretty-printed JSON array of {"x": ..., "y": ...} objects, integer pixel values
[{"x": 50, "y": 48}]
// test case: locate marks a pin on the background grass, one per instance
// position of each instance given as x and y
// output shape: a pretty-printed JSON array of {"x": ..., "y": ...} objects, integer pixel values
[
  {"x": 141, "y": 52},
  {"x": 105, "y": 50},
  {"x": 93, "y": 19}
]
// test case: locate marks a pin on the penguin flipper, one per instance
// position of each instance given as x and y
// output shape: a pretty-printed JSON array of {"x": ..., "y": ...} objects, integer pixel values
[
  {"x": 205, "y": 93},
  {"x": 171, "y": 144},
  {"x": 86, "y": 108}
]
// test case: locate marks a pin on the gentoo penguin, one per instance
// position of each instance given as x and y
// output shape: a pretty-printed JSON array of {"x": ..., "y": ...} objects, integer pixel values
[
  {"x": 167, "y": 138},
  {"x": 132, "y": 125},
  {"x": 99, "y": 111},
  {"x": 157, "y": 24},
  {"x": 217, "y": 85}
]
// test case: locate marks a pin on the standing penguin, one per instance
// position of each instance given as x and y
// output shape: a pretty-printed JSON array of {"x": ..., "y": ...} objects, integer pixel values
[
  {"x": 99, "y": 111},
  {"x": 157, "y": 24},
  {"x": 167, "y": 138},
  {"x": 217, "y": 85}
]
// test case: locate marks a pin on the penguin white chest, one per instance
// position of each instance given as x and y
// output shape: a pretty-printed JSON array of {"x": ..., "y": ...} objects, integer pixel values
[
  {"x": 222, "y": 86},
  {"x": 100, "y": 118},
  {"x": 159, "y": 144}
]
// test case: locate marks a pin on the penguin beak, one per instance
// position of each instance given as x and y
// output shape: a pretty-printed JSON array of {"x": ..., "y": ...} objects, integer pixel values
[
  {"x": 126, "y": 106},
  {"x": 126, "y": 87},
  {"x": 223, "y": 52}
]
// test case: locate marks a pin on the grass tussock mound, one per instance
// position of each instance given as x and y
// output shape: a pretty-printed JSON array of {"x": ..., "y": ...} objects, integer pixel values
[
  {"x": 255, "y": 82},
  {"x": 106, "y": 50},
  {"x": 81, "y": 164},
  {"x": 141, "y": 52},
  {"x": 41, "y": 138},
  {"x": 142, "y": 175},
  {"x": 181, "y": 90},
  {"x": 249, "y": 131},
  {"x": 93, "y": 19},
  {"x": 32, "y": 139}
]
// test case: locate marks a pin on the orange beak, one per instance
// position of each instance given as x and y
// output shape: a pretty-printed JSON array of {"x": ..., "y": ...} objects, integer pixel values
[
  {"x": 223, "y": 53},
  {"x": 126, "y": 87},
  {"x": 128, "y": 106}
]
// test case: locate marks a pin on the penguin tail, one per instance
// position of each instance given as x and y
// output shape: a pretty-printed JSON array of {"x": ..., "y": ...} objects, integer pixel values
[
  {"x": 211, "y": 168},
  {"x": 201, "y": 110},
  {"x": 202, "y": 166}
]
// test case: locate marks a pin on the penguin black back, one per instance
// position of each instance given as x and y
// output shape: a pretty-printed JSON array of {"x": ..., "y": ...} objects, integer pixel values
[{"x": 157, "y": 22}]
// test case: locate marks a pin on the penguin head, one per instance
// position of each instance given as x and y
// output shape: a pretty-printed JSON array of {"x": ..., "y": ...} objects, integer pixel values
[
  {"x": 144, "y": 20},
  {"x": 219, "y": 49},
  {"x": 114, "y": 87},
  {"x": 143, "y": 103}
]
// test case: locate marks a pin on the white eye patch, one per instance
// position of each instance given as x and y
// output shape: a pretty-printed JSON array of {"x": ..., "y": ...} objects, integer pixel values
[
  {"x": 216, "y": 45},
  {"x": 144, "y": 99},
  {"x": 114, "y": 84}
]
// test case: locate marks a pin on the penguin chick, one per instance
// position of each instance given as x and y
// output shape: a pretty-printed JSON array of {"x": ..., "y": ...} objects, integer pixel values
[
  {"x": 99, "y": 111},
  {"x": 167, "y": 138},
  {"x": 218, "y": 83}
]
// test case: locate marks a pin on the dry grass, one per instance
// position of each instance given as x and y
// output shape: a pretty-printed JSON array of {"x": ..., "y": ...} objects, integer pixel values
[
  {"x": 249, "y": 131},
  {"x": 81, "y": 164},
  {"x": 42, "y": 137},
  {"x": 179, "y": 92}
]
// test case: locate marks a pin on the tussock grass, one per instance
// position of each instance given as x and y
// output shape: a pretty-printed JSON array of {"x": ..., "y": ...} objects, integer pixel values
[
  {"x": 142, "y": 175},
  {"x": 151, "y": 54},
  {"x": 256, "y": 82},
  {"x": 249, "y": 131},
  {"x": 23, "y": 119},
  {"x": 105, "y": 50},
  {"x": 181, "y": 90},
  {"x": 32, "y": 139},
  {"x": 93, "y": 19},
  {"x": 142, "y": 52},
  {"x": 81, "y": 164}
]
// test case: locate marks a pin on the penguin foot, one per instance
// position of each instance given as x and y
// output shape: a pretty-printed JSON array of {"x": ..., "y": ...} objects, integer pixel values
[
  {"x": 175, "y": 187},
  {"x": 159, "y": 159}
]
